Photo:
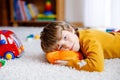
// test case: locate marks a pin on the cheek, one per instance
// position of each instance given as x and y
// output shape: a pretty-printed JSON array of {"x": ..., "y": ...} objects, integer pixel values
[{"x": 74, "y": 38}]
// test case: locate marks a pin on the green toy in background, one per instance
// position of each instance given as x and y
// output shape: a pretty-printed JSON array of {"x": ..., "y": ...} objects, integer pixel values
[
  {"x": 2, "y": 63},
  {"x": 48, "y": 13},
  {"x": 48, "y": 8}
]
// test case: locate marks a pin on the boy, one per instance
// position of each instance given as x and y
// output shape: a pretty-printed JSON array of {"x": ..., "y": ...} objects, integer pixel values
[{"x": 94, "y": 45}]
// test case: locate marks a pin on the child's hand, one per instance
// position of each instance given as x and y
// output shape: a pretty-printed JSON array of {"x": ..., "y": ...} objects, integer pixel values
[
  {"x": 70, "y": 63},
  {"x": 61, "y": 62},
  {"x": 77, "y": 64},
  {"x": 74, "y": 64}
]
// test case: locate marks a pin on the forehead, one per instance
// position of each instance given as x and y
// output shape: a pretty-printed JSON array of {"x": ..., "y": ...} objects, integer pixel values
[{"x": 60, "y": 31}]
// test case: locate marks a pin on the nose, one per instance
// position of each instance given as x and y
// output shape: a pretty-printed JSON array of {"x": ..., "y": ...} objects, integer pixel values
[{"x": 65, "y": 46}]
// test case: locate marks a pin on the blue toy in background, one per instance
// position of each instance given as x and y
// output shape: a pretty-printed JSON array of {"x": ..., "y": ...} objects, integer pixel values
[
  {"x": 32, "y": 37},
  {"x": 110, "y": 29}
]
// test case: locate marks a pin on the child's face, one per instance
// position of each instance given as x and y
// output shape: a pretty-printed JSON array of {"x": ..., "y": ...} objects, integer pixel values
[{"x": 68, "y": 41}]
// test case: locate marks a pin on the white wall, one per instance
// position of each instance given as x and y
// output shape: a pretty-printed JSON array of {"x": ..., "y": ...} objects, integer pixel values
[
  {"x": 93, "y": 13},
  {"x": 74, "y": 10}
]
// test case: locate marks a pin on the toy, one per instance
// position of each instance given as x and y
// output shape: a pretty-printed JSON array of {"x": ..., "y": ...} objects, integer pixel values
[
  {"x": 110, "y": 30},
  {"x": 37, "y": 36},
  {"x": 48, "y": 13},
  {"x": 10, "y": 46},
  {"x": 32, "y": 36},
  {"x": 63, "y": 55},
  {"x": 2, "y": 63},
  {"x": 48, "y": 8}
]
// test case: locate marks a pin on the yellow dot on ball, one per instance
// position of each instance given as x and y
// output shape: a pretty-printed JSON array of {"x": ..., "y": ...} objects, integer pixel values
[{"x": 9, "y": 56}]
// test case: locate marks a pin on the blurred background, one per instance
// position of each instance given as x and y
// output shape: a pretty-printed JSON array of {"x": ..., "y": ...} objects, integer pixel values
[{"x": 82, "y": 13}]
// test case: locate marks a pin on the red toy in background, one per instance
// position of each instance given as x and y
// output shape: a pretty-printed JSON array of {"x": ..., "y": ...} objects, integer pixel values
[
  {"x": 10, "y": 46},
  {"x": 63, "y": 55}
]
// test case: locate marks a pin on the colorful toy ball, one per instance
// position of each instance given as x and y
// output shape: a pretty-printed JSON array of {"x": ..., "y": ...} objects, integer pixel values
[{"x": 63, "y": 55}]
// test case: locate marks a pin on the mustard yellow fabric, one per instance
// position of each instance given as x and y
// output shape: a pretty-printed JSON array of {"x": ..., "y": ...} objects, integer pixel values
[{"x": 95, "y": 46}]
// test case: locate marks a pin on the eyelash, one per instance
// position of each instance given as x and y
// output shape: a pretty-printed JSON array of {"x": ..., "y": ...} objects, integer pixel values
[
  {"x": 60, "y": 47},
  {"x": 65, "y": 37}
]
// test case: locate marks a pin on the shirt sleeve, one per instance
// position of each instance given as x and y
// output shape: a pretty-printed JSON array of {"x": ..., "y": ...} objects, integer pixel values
[
  {"x": 93, "y": 51},
  {"x": 94, "y": 57}
]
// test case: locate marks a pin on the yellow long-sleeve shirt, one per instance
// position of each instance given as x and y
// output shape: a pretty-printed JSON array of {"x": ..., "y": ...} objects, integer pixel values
[{"x": 95, "y": 46}]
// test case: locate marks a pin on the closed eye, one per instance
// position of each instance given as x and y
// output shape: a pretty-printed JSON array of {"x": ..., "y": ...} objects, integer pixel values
[{"x": 60, "y": 47}]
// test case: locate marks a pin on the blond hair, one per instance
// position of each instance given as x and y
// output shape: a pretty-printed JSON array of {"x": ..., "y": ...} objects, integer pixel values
[{"x": 51, "y": 34}]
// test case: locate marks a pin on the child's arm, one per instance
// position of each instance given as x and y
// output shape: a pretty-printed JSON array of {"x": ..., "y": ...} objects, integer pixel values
[
  {"x": 91, "y": 49},
  {"x": 94, "y": 57},
  {"x": 61, "y": 62}
]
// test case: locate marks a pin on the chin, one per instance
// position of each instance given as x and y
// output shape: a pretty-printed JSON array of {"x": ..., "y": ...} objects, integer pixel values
[{"x": 76, "y": 49}]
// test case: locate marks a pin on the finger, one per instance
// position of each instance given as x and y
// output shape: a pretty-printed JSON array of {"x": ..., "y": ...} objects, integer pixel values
[{"x": 61, "y": 62}]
